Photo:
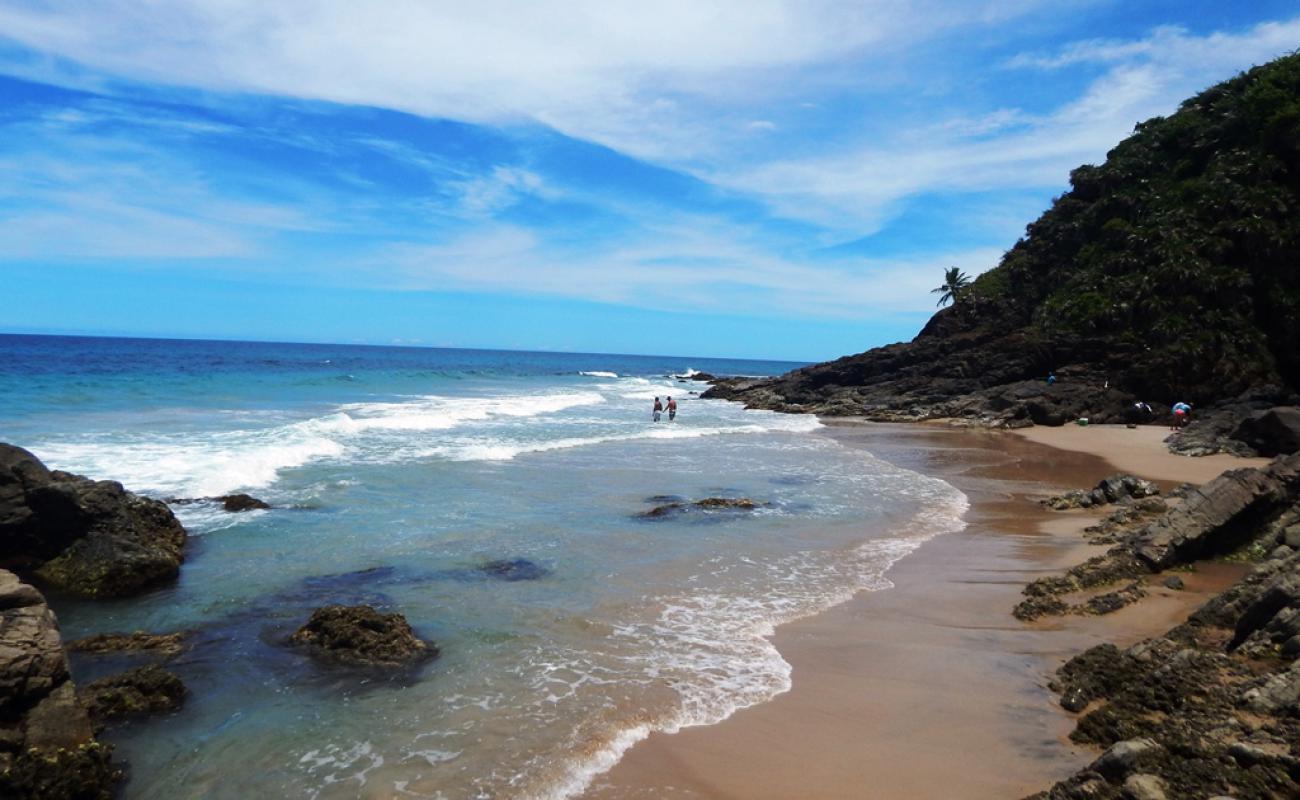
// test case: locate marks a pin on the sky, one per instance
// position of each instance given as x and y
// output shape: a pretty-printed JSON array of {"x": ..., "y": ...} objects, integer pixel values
[{"x": 753, "y": 179}]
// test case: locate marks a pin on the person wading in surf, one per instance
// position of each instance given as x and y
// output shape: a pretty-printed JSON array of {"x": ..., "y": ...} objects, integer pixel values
[
  {"x": 659, "y": 409},
  {"x": 672, "y": 409}
]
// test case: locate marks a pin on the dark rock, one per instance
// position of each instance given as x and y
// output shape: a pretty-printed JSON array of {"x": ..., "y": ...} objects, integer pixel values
[
  {"x": 138, "y": 692},
  {"x": 1174, "y": 582},
  {"x": 165, "y": 644},
  {"x": 229, "y": 502},
  {"x": 1272, "y": 432},
  {"x": 1114, "y": 489},
  {"x": 241, "y": 502},
  {"x": 1221, "y": 515},
  {"x": 514, "y": 569},
  {"x": 90, "y": 538},
  {"x": 362, "y": 636},
  {"x": 47, "y": 749},
  {"x": 707, "y": 504}
]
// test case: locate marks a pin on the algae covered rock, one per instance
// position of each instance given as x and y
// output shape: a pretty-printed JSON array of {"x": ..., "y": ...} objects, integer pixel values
[
  {"x": 362, "y": 636},
  {"x": 84, "y": 537},
  {"x": 138, "y": 692}
]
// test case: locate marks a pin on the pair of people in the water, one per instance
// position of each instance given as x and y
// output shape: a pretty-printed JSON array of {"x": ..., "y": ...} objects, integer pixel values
[{"x": 659, "y": 409}]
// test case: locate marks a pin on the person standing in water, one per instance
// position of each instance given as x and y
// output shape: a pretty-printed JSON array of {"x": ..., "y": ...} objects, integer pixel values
[
  {"x": 659, "y": 409},
  {"x": 672, "y": 409}
]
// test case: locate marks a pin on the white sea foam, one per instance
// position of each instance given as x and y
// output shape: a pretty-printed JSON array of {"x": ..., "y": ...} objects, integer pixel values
[
  {"x": 599, "y": 374},
  {"x": 720, "y": 645}
]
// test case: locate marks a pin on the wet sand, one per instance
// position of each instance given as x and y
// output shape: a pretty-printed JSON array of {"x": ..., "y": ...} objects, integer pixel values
[{"x": 932, "y": 689}]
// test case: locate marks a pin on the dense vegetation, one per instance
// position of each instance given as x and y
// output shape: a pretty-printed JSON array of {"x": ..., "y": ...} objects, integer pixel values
[{"x": 1181, "y": 250}]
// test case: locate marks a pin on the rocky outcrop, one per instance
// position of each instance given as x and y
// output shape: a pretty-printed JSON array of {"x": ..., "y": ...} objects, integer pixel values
[
  {"x": 363, "y": 637},
  {"x": 1272, "y": 432},
  {"x": 1237, "y": 509},
  {"x": 676, "y": 507},
  {"x": 135, "y": 693},
  {"x": 47, "y": 748},
  {"x": 84, "y": 537},
  {"x": 1165, "y": 274},
  {"x": 1114, "y": 489},
  {"x": 1210, "y": 709},
  {"x": 229, "y": 502}
]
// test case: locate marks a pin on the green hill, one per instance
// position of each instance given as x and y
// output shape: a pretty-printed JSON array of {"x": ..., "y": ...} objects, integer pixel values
[{"x": 1171, "y": 271}]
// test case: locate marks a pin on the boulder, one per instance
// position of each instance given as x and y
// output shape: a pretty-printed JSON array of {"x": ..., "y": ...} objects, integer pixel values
[
  {"x": 241, "y": 502},
  {"x": 1124, "y": 758},
  {"x": 84, "y": 537},
  {"x": 1143, "y": 786},
  {"x": 47, "y": 746},
  {"x": 1221, "y": 515},
  {"x": 138, "y": 692},
  {"x": 362, "y": 636},
  {"x": 1272, "y": 432}
]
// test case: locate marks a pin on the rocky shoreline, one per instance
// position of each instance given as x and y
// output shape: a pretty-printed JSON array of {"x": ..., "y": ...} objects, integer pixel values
[{"x": 1211, "y": 709}]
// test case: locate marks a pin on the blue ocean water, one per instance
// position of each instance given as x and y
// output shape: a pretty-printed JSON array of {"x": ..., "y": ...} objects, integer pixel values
[{"x": 394, "y": 474}]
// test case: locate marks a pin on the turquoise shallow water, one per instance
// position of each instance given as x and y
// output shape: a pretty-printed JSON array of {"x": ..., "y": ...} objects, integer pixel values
[{"x": 394, "y": 473}]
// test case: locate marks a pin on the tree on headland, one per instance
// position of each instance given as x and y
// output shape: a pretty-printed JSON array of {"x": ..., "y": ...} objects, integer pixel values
[{"x": 954, "y": 286}]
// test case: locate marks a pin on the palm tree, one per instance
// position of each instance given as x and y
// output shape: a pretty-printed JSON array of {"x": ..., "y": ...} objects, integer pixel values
[{"x": 954, "y": 286}]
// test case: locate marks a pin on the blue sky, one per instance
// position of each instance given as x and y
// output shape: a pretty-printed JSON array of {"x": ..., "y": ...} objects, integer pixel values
[{"x": 751, "y": 179}]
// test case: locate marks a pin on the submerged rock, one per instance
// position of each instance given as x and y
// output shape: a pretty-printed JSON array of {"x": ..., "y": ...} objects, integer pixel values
[
  {"x": 513, "y": 569},
  {"x": 138, "y": 692},
  {"x": 362, "y": 636},
  {"x": 707, "y": 504},
  {"x": 165, "y": 644},
  {"x": 84, "y": 537}
]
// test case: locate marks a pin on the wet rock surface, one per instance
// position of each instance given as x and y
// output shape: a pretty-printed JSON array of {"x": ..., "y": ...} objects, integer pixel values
[
  {"x": 234, "y": 503},
  {"x": 47, "y": 747},
  {"x": 676, "y": 507},
  {"x": 84, "y": 537},
  {"x": 134, "y": 693},
  {"x": 362, "y": 636}
]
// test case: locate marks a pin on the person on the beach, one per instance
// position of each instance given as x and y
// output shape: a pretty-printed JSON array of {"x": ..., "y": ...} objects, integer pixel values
[
  {"x": 672, "y": 409},
  {"x": 659, "y": 409},
  {"x": 1182, "y": 414},
  {"x": 1138, "y": 413}
]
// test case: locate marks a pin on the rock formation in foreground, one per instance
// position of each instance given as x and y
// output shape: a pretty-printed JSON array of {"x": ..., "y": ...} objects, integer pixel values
[
  {"x": 1212, "y": 708},
  {"x": 84, "y": 537},
  {"x": 47, "y": 748},
  {"x": 1165, "y": 274}
]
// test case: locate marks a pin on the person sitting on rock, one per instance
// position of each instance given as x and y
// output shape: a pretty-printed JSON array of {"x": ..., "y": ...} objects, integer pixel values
[
  {"x": 1051, "y": 378},
  {"x": 1182, "y": 414}
]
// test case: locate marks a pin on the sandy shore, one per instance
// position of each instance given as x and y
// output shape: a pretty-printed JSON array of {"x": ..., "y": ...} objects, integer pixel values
[{"x": 931, "y": 688}]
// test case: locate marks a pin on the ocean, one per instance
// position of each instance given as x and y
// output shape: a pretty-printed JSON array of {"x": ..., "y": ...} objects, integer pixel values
[{"x": 394, "y": 474}]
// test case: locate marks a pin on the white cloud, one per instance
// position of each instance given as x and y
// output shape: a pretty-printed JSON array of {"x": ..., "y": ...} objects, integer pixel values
[
  {"x": 861, "y": 185},
  {"x": 677, "y": 264},
  {"x": 645, "y": 78}
]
